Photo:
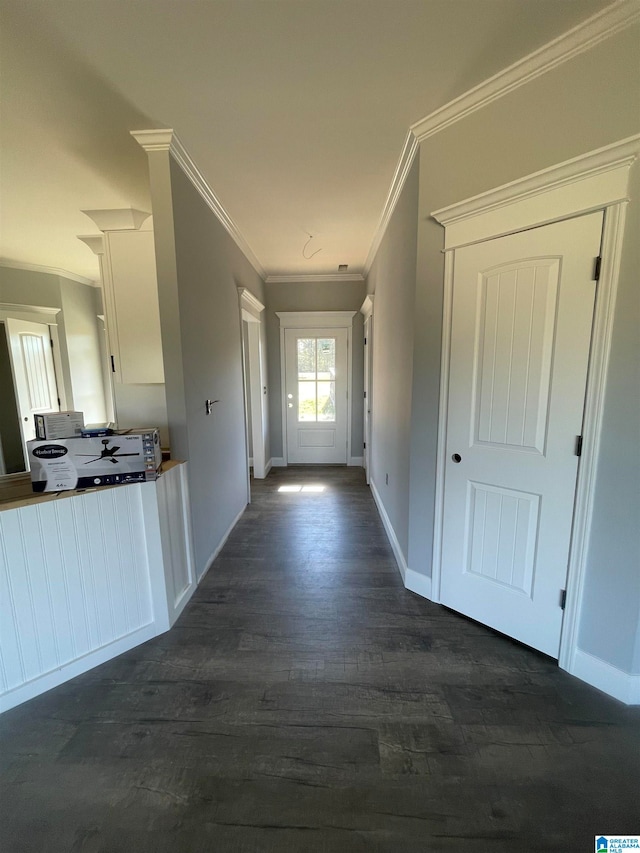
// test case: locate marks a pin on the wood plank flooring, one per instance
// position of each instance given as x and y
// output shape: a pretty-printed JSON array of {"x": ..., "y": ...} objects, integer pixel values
[{"x": 306, "y": 701}]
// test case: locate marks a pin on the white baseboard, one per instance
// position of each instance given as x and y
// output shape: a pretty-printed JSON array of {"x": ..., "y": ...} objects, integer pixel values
[
  {"x": 391, "y": 534},
  {"x": 268, "y": 467},
  {"x": 611, "y": 680},
  {"x": 420, "y": 584},
  {"x": 278, "y": 462},
  {"x": 45, "y": 682},
  {"x": 251, "y": 462},
  {"x": 355, "y": 462},
  {"x": 222, "y": 542},
  {"x": 413, "y": 581}
]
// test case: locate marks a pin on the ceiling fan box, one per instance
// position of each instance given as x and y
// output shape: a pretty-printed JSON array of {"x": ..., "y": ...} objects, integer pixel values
[
  {"x": 88, "y": 462},
  {"x": 58, "y": 424}
]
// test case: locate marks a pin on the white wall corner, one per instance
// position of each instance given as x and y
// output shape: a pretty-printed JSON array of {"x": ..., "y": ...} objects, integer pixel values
[
  {"x": 355, "y": 462},
  {"x": 278, "y": 462},
  {"x": 268, "y": 467},
  {"x": 602, "y": 675}
]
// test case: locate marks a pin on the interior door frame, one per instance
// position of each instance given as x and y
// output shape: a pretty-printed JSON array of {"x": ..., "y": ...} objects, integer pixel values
[
  {"x": 251, "y": 313},
  {"x": 367, "y": 313},
  {"x": 45, "y": 316},
  {"x": 309, "y": 320},
  {"x": 594, "y": 181}
]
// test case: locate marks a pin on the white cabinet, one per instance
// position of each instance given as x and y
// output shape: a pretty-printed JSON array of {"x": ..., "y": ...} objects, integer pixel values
[
  {"x": 131, "y": 307},
  {"x": 130, "y": 289}
]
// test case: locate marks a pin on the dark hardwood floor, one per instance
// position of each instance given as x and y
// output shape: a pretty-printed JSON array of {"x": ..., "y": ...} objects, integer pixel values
[{"x": 306, "y": 701}]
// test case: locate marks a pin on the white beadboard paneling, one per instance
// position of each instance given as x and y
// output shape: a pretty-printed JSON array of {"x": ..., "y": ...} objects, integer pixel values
[
  {"x": 175, "y": 534},
  {"x": 74, "y": 578}
]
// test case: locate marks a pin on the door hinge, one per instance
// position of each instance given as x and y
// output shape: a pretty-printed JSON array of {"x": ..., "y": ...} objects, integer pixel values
[
  {"x": 563, "y": 598},
  {"x": 364, "y": 444},
  {"x": 365, "y": 395},
  {"x": 113, "y": 364},
  {"x": 365, "y": 341},
  {"x": 596, "y": 268},
  {"x": 51, "y": 342},
  {"x": 59, "y": 403},
  {"x": 578, "y": 450}
]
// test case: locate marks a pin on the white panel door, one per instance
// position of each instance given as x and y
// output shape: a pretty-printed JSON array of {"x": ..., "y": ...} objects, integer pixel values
[
  {"x": 521, "y": 332},
  {"x": 316, "y": 395},
  {"x": 33, "y": 372}
]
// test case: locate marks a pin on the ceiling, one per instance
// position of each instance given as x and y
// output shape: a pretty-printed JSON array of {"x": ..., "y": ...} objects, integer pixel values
[{"x": 295, "y": 111}]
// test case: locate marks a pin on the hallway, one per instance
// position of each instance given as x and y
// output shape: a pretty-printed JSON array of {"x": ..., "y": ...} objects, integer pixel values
[{"x": 305, "y": 701}]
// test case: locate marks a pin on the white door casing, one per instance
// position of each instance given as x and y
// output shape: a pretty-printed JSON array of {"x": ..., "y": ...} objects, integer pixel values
[
  {"x": 316, "y": 383},
  {"x": 33, "y": 372},
  {"x": 367, "y": 311},
  {"x": 597, "y": 180},
  {"x": 255, "y": 387},
  {"x": 520, "y": 337}
]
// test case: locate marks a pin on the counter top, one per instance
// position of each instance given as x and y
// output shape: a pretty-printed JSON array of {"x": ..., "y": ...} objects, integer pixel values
[{"x": 16, "y": 490}]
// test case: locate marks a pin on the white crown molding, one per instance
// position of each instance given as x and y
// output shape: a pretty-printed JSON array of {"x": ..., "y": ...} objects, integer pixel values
[
  {"x": 405, "y": 162},
  {"x": 604, "y": 24},
  {"x": 12, "y": 307},
  {"x": 591, "y": 181},
  {"x": 366, "y": 308},
  {"x": 18, "y": 265},
  {"x": 315, "y": 319},
  {"x": 599, "y": 27},
  {"x": 167, "y": 140},
  {"x": 312, "y": 277},
  {"x": 250, "y": 302},
  {"x": 94, "y": 241},
  {"x": 117, "y": 219}
]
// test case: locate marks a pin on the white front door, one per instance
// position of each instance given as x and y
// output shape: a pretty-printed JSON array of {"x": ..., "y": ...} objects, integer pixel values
[
  {"x": 33, "y": 372},
  {"x": 316, "y": 395},
  {"x": 521, "y": 333}
]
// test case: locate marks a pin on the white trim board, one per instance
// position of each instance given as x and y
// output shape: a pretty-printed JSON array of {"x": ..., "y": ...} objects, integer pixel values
[
  {"x": 601, "y": 178},
  {"x": 413, "y": 581},
  {"x": 581, "y": 38},
  {"x": 355, "y": 461},
  {"x": 602, "y": 675},
  {"x": 220, "y": 545},
  {"x": 586, "y": 35},
  {"x": 316, "y": 278},
  {"x": 167, "y": 140},
  {"x": 18, "y": 265},
  {"x": 58, "y": 676},
  {"x": 580, "y": 185}
]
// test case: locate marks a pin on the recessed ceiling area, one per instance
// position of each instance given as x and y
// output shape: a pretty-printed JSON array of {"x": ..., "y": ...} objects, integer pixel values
[{"x": 295, "y": 111}]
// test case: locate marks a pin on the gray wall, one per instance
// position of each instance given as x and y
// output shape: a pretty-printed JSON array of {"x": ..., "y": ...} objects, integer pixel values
[
  {"x": 538, "y": 125},
  {"x": 392, "y": 280},
  {"x": 199, "y": 270},
  {"x": 314, "y": 296}
]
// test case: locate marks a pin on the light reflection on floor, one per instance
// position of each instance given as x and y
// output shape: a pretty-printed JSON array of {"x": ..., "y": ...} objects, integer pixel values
[{"x": 310, "y": 489}]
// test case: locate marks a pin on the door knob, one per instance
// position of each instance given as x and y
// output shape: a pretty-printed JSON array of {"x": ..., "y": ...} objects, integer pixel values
[{"x": 456, "y": 457}]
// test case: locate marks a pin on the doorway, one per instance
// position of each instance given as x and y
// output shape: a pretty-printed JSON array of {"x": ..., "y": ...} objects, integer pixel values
[
  {"x": 315, "y": 349},
  {"x": 520, "y": 340},
  {"x": 255, "y": 389}
]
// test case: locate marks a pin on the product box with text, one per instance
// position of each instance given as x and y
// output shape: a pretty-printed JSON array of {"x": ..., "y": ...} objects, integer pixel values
[
  {"x": 84, "y": 463},
  {"x": 58, "y": 424}
]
